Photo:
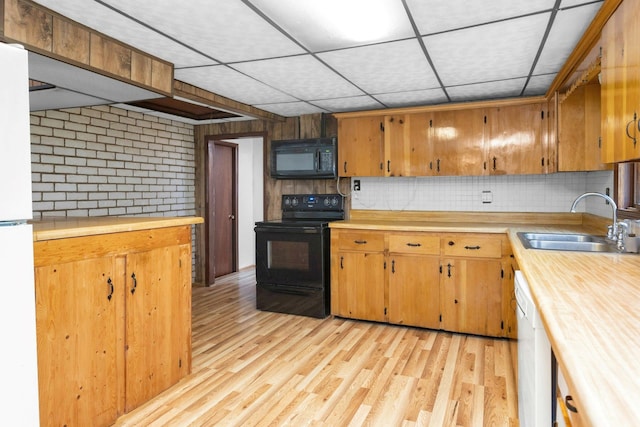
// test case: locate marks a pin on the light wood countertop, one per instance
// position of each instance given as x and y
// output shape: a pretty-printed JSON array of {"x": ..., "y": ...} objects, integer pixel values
[
  {"x": 589, "y": 304},
  {"x": 64, "y": 227}
]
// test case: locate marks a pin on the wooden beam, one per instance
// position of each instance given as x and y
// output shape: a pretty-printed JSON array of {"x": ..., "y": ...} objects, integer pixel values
[
  {"x": 589, "y": 39},
  {"x": 50, "y": 34},
  {"x": 194, "y": 93}
]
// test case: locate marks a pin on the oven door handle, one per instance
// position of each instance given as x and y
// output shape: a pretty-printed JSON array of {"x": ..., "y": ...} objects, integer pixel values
[
  {"x": 289, "y": 230},
  {"x": 290, "y": 290}
]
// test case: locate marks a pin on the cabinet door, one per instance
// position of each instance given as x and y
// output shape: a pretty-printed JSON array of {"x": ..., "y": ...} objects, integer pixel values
[
  {"x": 620, "y": 84},
  {"x": 472, "y": 296},
  {"x": 158, "y": 323},
  {"x": 420, "y": 136},
  {"x": 396, "y": 146},
  {"x": 361, "y": 281},
  {"x": 579, "y": 141},
  {"x": 78, "y": 309},
  {"x": 457, "y": 142},
  {"x": 513, "y": 140},
  {"x": 360, "y": 146},
  {"x": 414, "y": 290}
]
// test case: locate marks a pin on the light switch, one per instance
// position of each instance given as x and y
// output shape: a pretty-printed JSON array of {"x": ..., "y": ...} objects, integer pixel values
[{"x": 487, "y": 196}]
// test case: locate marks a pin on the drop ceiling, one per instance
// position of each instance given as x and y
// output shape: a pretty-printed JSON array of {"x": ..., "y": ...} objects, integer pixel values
[{"x": 293, "y": 57}]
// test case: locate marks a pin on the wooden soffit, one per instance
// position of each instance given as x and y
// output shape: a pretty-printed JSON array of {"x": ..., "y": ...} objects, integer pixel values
[{"x": 45, "y": 32}]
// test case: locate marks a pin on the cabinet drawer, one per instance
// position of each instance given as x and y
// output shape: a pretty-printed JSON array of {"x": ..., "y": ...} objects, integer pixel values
[
  {"x": 414, "y": 243},
  {"x": 481, "y": 246},
  {"x": 361, "y": 241}
]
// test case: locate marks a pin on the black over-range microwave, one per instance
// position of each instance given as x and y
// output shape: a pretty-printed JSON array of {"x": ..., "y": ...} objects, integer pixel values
[{"x": 312, "y": 158}]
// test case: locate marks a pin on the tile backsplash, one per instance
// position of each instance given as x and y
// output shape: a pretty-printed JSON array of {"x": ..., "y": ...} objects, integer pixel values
[{"x": 510, "y": 193}]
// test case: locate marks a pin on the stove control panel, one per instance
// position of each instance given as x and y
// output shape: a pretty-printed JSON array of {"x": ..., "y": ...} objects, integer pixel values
[{"x": 312, "y": 202}]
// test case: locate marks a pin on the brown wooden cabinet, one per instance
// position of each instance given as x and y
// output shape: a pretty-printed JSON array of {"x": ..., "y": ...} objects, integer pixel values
[
  {"x": 361, "y": 146},
  {"x": 414, "y": 279},
  {"x": 620, "y": 84},
  {"x": 514, "y": 140},
  {"x": 113, "y": 319},
  {"x": 509, "y": 139},
  {"x": 472, "y": 284},
  {"x": 579, "y": 140},
  {"x": 357, "y": 278},
  {"x": 454, "y": 282},
  {"x": 457, "y": 142}
]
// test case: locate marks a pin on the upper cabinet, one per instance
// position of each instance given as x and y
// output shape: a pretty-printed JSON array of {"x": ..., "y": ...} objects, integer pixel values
[
  {"x": 579, "y": 133},
  {"x": 513, "y": 140},
  {"x": 620, "y": 84},
  {"x": 361, "y": 146},
  {"x": 506, "y": 139}
]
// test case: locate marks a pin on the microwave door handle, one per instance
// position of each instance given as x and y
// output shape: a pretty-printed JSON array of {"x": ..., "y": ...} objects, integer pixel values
[{"x": 317, "y": 160}]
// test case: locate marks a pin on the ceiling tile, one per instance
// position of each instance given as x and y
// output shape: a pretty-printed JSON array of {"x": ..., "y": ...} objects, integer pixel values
[
  {"x": 303, "y": 77},
  {"x": 100, "y": 18},
  {"x": 388, "y": 67},
  {"x": 567, "y": 29},
  {"x": 538, "y": 85},
  {"x": 570, "y": 3},
  {"x": 483, "y": 53},
  {"x": 491, "y": 90},
  {"x": 433, "y": 16},
  {"x": 354, "y": 103},
  {"x": 418, "y": 97},
  {"x": 227, "y": 30},
  {"x": 332, "y": 24},
  {"x": 226, "y": 82},
  {"x": 291, "y": 109}
]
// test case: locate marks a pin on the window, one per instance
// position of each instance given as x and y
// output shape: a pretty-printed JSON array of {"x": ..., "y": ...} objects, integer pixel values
[{"x": 627, "y": 191}]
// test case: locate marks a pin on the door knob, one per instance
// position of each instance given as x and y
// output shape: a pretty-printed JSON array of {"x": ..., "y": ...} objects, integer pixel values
[{"x": 232, "y": 216}]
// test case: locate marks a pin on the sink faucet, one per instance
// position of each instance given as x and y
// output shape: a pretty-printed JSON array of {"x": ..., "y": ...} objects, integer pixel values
[{"x": 612, "y": 232}]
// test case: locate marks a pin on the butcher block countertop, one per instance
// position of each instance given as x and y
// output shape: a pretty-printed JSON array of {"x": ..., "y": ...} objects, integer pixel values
[
  {"x": 65, "y": 227},
  {"x": 589, "y": 302}
]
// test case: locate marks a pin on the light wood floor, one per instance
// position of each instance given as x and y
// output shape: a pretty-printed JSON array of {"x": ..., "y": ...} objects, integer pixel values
[{"x": 259, "y": 368}]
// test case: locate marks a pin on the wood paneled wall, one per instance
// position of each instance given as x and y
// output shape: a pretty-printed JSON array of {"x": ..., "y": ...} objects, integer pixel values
[{"x": 307, "y": 126}]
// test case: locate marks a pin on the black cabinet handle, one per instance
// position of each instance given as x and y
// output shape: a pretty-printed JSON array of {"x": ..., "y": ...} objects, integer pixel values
[
  {"x": 135, "y": 283},
  {"x": 414, "y": 245},
  {"x": 341, "y": 264},
  {"x": 388, "y": 165},
  {"x": 570, "y": 406},
  {"x": 345, "y": 167},
  {"x": 449, "y": 270},
  {"x": 472, "y": 248},
  {"x": 451, "y": 243},
  {"x": 360, "y": 242},
  {"x": 438, "y": 165},
  {"x": 110, "y": 283},
  {"x": 494, "y": 163},
  {"x": 393, "y": 266}
]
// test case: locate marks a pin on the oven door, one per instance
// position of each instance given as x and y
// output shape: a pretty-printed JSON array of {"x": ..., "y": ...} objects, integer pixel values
[
  {"x": 292, "y": 255},
  {"x": 300, "y": 300}
]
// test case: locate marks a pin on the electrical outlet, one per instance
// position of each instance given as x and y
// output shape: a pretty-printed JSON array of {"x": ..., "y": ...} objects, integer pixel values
[
  {"x": 356, "y": 185},
  {"x": 487, "y": 196}
]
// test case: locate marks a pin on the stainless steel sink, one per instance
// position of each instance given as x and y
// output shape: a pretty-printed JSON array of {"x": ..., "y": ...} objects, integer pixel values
[{"x": 567, "y": 242}]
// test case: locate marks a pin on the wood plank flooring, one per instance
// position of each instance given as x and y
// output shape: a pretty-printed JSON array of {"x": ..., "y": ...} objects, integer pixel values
[{"x": 254, "y": 368}]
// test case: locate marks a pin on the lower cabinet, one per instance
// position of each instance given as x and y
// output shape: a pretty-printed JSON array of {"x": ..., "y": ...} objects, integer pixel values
[
  {"x": 455, "y": 282},
  {"x": 113, "y": 321}
]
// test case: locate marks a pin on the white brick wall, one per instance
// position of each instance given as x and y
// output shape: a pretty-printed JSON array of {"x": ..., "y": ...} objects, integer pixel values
[{"x": 104, "y": 160}]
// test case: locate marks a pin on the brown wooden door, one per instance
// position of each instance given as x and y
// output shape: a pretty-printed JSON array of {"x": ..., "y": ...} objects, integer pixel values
[
  {"x": 457, "y": 142},
  {"x": 222, "y": 230},
  {"x": 158, "y": 321},
  {"x": 361, "y": 146},
  {"x": 414, "y": 290},
  {"x": 472, "y": 296},
  {"x": 514, "y": 140},
  {"x": 78, "y": 305}
]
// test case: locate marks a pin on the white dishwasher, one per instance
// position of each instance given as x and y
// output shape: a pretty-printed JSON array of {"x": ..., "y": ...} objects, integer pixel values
[{"x": 535, "y": 393}]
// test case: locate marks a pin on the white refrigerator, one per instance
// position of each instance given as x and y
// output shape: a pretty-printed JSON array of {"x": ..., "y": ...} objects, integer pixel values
[{"x": 18, "y": 358}]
